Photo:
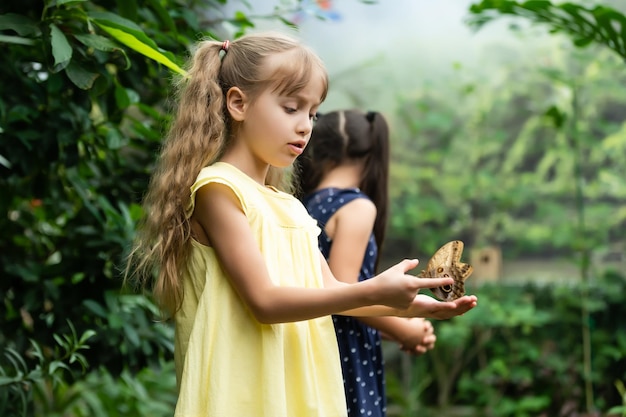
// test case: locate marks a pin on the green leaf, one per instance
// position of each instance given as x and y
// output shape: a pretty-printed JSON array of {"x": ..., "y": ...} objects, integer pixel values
[
  {"x": 609, "y": 20},
  {"x": 114, "y": 139},
  {"x": 97, "y": 42},
  {"x": 54, "y": 365},
  {"x": 60, "y": 341},
  {"x": 81, "y": 77},
  {"x": 121, "y": 97},
  {"x": 131, "y": 35},
  {"x": 556, "y": 116},
  {"x": 582, "y": 42},
  {"x": 133, "y": 42},
  {"x": 95, "y": 308},
  {"x": 24, "y": 26},
  {"x": 62, "y": 2},
  {"x": 5, "y": 380},
  {"x": 87, "y": 334},
  {"x": 5, "y": 162},
  {"x": 81, "y": 187},
  {"x": 535, "y": 5},
  {"x": 132, "y": 335},
  {"x": 78, "y": 277},
  {"x": 16, "y": 359},
  {"x": 16, "y": 40},
  {"x": 61, "y": 49},
  {"x": 128, "y": 26}
]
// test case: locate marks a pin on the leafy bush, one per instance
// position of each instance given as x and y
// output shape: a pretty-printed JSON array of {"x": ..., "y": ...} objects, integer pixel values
[
  {"x": 37, "y": 383},
  {"x": 148, "y": 392},
  {"x": 519, "y": 354},
  {"x": 48, "y": 383},
  {"x": 80, "y": 122}
]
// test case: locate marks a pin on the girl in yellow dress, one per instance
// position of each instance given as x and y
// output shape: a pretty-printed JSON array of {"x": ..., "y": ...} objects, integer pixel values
[{"x": 235, "y": 257}]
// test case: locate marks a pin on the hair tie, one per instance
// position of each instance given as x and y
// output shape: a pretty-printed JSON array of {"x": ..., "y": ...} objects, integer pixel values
[
  {"x": 225, "y": 46},
  {"x": 370, "y": 116}
]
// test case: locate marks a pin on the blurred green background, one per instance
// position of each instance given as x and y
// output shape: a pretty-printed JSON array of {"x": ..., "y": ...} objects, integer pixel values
[{"x": 508, "y": 132}]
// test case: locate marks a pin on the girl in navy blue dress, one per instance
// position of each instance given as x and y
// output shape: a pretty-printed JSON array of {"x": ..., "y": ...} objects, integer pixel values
[{"x": 343, "y": 183}]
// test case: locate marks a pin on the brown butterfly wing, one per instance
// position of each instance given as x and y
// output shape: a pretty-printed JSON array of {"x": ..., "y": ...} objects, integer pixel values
[
  {"x": 446, "y": 262},
  {"x": 464, "y": 270}
]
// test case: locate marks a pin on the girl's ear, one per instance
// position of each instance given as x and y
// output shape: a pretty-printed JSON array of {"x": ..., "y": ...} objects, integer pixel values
[{"x": 236, "y": 103}]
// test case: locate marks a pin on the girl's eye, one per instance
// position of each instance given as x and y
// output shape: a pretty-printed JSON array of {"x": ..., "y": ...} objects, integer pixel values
[
  {"x": 290, "y": 110},
  {"x": 313, "y": 117}
]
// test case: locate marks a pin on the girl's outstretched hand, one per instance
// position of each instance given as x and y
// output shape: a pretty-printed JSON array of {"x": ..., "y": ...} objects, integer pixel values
[
  {"x": 398, "y": 290},
  {"x": 425, "y": 306}
]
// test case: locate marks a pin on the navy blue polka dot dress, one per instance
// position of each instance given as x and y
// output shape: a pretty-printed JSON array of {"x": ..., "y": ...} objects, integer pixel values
[{"x": 359, "y": 344}]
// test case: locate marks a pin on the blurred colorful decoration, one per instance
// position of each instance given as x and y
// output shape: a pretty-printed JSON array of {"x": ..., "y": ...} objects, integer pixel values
[{"x": 320, "y": 9}]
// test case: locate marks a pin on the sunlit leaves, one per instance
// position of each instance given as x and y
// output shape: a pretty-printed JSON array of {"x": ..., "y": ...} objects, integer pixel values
[
  {"x": 66, "y": 39},
  {"x": 583, "y": 24},
  {"x": 130, "y": 35},
  {"x": 133, "y": 42}
]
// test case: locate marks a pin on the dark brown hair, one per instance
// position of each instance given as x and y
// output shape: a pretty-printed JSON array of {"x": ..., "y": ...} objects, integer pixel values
[{"x": 350, "y": 134}]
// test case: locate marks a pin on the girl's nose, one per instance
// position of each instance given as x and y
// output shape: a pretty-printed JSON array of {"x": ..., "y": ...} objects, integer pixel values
[{"x": 305, "y": 126}]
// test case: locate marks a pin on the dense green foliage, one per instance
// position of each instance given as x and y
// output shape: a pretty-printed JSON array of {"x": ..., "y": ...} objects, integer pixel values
[
  {"x": 79, "y": 127},
  {"x": 532, "y": 158},
  {"x": 81, "y": 116},
  {"x": 518, "y": 355},
  {"x": 500, "y": 159}
]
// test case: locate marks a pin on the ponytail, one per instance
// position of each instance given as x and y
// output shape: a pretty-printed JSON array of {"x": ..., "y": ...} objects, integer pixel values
[{"x": 195, "y": 139}]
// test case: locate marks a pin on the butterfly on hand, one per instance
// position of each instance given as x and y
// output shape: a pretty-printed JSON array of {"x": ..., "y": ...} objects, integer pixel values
[{"x": 446, "y": 262}]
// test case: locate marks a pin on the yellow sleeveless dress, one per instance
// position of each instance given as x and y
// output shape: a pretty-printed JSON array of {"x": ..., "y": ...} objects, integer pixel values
[{"x": 227, "y": 363}]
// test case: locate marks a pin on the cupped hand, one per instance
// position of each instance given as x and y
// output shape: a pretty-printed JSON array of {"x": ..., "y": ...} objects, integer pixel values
[
  {"x": 419, "y": 338},
  {"x": 425, "y": 306},
  {"x": 398, "y": 290}
]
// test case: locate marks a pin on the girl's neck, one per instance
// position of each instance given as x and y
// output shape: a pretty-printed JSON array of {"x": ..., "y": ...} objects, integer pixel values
[
  {"x": 247, "y": 164},
  {"x": 346, "y": 175}
]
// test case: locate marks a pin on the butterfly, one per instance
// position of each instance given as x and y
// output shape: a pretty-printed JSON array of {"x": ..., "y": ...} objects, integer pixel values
[{"x": 446, "y": 262}]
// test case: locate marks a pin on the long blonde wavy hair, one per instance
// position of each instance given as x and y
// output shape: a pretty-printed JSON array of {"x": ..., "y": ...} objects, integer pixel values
[{"x": 199, "y": 134}]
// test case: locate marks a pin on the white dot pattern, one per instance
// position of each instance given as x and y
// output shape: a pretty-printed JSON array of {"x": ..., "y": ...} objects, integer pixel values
[{"x": 359, "y": 345}]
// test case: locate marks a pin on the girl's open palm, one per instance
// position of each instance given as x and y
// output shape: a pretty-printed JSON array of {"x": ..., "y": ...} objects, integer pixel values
[{"x": 425, "y": 306}]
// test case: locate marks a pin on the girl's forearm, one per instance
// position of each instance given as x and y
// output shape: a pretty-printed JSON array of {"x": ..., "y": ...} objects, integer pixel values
[
  {"x": 288, "y": 304},
  {"x": 371, "y": 311}
]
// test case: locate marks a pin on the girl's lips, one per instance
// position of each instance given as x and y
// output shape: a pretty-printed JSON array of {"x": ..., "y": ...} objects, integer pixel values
[{"x": 296, "y": 148}]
